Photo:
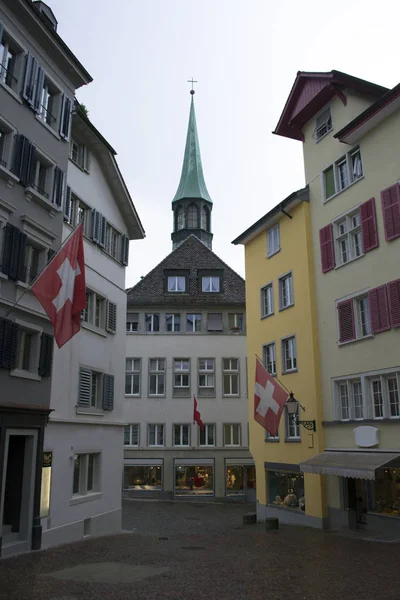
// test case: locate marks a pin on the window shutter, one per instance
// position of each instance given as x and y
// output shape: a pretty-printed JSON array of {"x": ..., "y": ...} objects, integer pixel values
[
  {"x": 30, "y": 81},
  {"x": 38, "y": 89},
  {"x": 347, "y": 330},
  {"x": 96, "y": 217},
  {"x": 108, "y": 392},
  {"x": 65, "y": 121},
  {"x": 13, "y": 252},
  {"x": 58, "y": 187},
  {"x": 111, "y": 317},
  {"x": 214, "y": 322},
  {"x": 391, "y": 211},
  {"x": 1, "y": 32},
  {"x": 327, "y": 248},
  {"x": 68, "y": 205},
  {"x": 50, "y": 255},
  {"x": 86, "y": 159},
  {"x": 393, "y": 292},
  {"x": 124, "y": 250},
  {"x": 379, "y": 310},
  {"x": 8, "y": 344},
  {"x": 20, "y": 141},
  {"x": 103, "y": 228},
  {"x": 20, "y": 257},
  {"x": 46, "y": 355},
  {"x": 369, "y": 230},
  {"x": 85, "y": 377},
  {"x": 23, "y": 165}
]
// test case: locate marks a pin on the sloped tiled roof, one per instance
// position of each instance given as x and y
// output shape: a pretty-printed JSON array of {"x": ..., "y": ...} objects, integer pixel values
[{"x": 192, "y": 255}]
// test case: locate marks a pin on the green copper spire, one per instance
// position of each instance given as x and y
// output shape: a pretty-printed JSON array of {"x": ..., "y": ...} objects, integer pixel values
[{"x": 192, "y": 184}]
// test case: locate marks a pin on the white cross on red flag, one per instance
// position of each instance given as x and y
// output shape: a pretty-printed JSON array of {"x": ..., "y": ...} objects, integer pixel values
[
  {"x": 269, "y": 399},
  {"x": 61, "y": 288}
]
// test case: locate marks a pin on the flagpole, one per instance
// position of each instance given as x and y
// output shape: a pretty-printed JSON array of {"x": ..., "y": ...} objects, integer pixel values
[
  {"x": 39, "y": 274},
  {"x": 274, "y": 376}
]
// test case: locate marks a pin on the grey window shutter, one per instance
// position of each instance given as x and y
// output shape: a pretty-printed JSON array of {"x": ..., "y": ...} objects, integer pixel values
[
  {"x": 124, "y": 250},
  {"x": 65, "y": 121},
  {"x": 1, "y": 32},
  {"x": 24, "y": 159},
  {"x": 50, "y": 254},
  {"x": 8, "y": 344},
  {"x": 108, "y": 392},
  {"x": 30, "y": 81},
  {"x": 19, "y": 253},
  {"x": 20, "y": 141},
  {"x": 103, "y": 228},
  {"x": 39, "y": 88},
  {"x": 13, "y": 252},
  {"x": 85, "y": 377},
  {"x": 86, "y": 159},
  {"x": 95, "y": 225},
  {"x": 214, "y": 322},
  {"x": 68, "y": 205},
  {"x": 111, "y": 317},
  {"x": 58, "y": 187},
  {"x": 46, "y": 355}
]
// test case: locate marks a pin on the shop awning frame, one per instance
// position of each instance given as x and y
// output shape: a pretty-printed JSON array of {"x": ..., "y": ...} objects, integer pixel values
[{"x": 358, "y": 465}]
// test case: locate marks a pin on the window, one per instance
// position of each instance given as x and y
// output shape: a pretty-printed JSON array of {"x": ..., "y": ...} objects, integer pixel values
[
  {"x": 269, "y": 357},
  {"x": 192, "y": 217},
  {"x": 180, "y": 218},
  {"x": 156, "y": 377},
  {"x": 232, "y": 434},
  {"x": 323, "y": 124},
  {"x": 384, "y": 494},
  {"x": 214, "y": 322},
  {"x": 25, "y": 350},
  {"x": 112, "y": 243},
  {"x": 132, "y": 435},
  {"x": 289, "y": 354},
  {"x": 193, "y": 322},
  {"x": 132, "y": 323},
  {"x": 286, "y": 297},
  {"x": 49, "y": 100},
  {"x": 286, "y": 489},
  {"x": 207, "y": 435},
  {"x": 273, "y": 242},
  {"x": 369, "y": 396},
  {"x": 31, "y": 262},
  {"x": 206, "y": 373},
  {"x": 176, "y": 283},
  {"x": 363, "y": 322},
  {"x": 95, "y": 311},
  {"x": 132, "y": 376},
  {"x": 152, "y": 322},
  {"x": 354, "y": 317},
  {"x": 79, "y": 155},
  {"x": 348, "y": 240},
  {"x": 95, "y": 389},
  {"x": 181, "y": 435},
  {"x": 155, "y": 435},
  {"x": 344, "y": 401},
  {"x": 76, "y": 211},
  {"x": 393, "y": 391},
  {"x": 292, "y": 427},
  {"x": 230, "y": 367},
  {"x": 205, "y": 218},
  {"x": 86, "y": 473},
  {"x": 10, "y": 61},
  {"x": 142, "y": 477},
  {"x": 210, "y": 284},
  {"x": 267, "y": 300},
  {"x": 235, "y": 322},
  {"x": 342, "y": 173},
  {"x": 6, "y": 137},
  {"x": 181, "y": 377},
  {"x": 173, "y": 322},
  {"x": 377, "y": 397},
  {"x": 193, "y": 480},
  {"x": 357, "y": 400},
  {"x": 271, "y": 438},
  {"x": 42, "y": 175}
]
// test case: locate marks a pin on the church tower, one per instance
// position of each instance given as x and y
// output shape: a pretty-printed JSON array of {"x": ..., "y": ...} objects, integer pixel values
[{"x": 192, "y": 204}]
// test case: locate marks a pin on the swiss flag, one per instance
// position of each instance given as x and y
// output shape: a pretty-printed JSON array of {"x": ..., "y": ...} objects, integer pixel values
[
  {"x": 61, "y": 288},
  {"x": 196, "y": 414},
  {"x": 269, "y": 399}
]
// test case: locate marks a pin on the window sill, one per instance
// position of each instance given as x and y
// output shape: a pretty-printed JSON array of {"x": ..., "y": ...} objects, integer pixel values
[
  {"x": 281, "y": 308},
  {"x": 272, "y": 441},
  {"x": 25, "y": 375},
  {"x": 348, "y": 262},
  {"x": 368, "y": 420},
  {"x": 48, "y": 127},
  {"x": 119, "y": 263},
  {"x": 231, "y": 395},
  {"x": 232, "y": 446},
  {"x": 93, "y": 329},
  {"x": 341, "y": 191},
  {"x": 32, "y": 194},
  {"x": 131, "y": 446},
  {"x": 155, "y": 446},
  {"x": 92, "y": 412},
  {"x": 360, "y": 339},
  {"x": 78, "y": 165},
  {"x": 289, "y": 371},
  {"x": 22, "y": 284},
  {"x": 2, "y": 276},
  {"x": 273, "y": 253},
  {"x": 132, "y": 395},
  {"x": 85, "y": 498},
  {"x": 292, "y": 440},
  {"x": 11, "y": 92},
  {"x": 156, "y": 396},
  {"x": 9, "y": 177},
  {"x": 268, "y": 315},
  {"x": 323, "y": 136}
]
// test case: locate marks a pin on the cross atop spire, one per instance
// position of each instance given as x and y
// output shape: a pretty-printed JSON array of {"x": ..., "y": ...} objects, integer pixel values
[{"x": 192, "y": 81}]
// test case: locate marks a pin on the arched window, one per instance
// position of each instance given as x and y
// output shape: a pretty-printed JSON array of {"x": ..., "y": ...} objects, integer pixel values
[
  {"x": 180, "y": 218},
  {"x": 204, "y": 218},
  {"x": 192, "y": 221}
]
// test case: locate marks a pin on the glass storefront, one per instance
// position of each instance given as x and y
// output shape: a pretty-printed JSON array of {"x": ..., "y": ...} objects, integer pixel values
[
  {"x": 142, "y": 477},
  {"x": 286, "y": 489},
  {"x": 194, "y": 480},
  {"x": 384, "y": 493},
  {"x": 235, "y": 480}
]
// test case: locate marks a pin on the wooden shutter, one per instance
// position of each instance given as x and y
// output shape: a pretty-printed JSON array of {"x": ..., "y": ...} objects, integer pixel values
[
  {"x": 347, "y": 330},
  {"x": 24, "y": 159},
  {"x": 96, "y": 217},
  {"x": 13, "y": 263},
  {"x": 30, "y": 81},
  {"x": 124, "y": 250},
  {"x": 379, "y": 310},
  {"x": 68, "y": 205},
  {"x": 58, "y": 187},
  {"x": 393, "y": 292},
  {"x": 85, "y": 380},
  {"x": 391, "y": 211},
  {"x": 103, "y": 229},
  {"x": 19, "y": 144},
  {"x": 46, "y": 355},
  {"x": 369, "y": 230},
  {"x": 111, "y": 317},
  {"x": 214, "y": 322},
  {"x": 37, "y": 100},
  {"x": 327, "y": 248},
  {"x": 65, "y": 121},
  {"x": 108, "y": 392},
  {"x": 8, "y": 344}
]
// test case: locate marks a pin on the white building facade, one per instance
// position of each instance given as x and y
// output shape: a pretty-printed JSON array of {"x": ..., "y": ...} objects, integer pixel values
[{"x": 81, "y": 482}]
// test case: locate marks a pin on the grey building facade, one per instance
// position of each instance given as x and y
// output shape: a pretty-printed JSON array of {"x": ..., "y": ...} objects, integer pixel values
[{"x": 38, "y": 79}]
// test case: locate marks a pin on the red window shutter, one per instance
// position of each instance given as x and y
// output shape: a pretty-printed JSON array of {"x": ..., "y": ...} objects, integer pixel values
[
  {"x": 379, "y": 310},
  {"x": 393, "y": 292},
  {"x": 347, "y": 329},
  {"x": 327, "y": 248},
  {"x": 369, "y": 230},
  {"x": 391, "y": 211}
]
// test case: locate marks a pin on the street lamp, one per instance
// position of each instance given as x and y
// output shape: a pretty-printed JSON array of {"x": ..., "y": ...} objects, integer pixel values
[{"x": 292, "y": 407}]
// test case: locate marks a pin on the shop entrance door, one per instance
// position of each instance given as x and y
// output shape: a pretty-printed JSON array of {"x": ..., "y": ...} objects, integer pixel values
[
  {"x": 357, "y": 501},
  {"x": 251, "y": 484}
]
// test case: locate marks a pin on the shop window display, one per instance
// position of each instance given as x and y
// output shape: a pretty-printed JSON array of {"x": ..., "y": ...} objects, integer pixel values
[
  {"x": 286, "y": 489},
  {"x": 384, "y": 498},
  {"x": 194, "y": 480},
  {"x": 234, "y": 480},
  {"x": 142, "y": 478}
]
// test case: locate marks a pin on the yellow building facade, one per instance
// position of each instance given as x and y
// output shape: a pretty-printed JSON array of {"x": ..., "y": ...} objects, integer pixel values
[{"x": 282, "y": 331}]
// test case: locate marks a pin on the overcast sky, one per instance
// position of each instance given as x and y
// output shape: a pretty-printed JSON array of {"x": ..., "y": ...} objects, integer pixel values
[{"x": 245, "y": 55}]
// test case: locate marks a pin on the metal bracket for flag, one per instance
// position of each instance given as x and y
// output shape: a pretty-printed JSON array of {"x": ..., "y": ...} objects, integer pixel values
[{"x": 292, "y": 407}]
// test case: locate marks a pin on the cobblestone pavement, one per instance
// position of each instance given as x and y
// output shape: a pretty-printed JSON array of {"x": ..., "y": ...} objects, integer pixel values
[{"x": 197, "y": 552}]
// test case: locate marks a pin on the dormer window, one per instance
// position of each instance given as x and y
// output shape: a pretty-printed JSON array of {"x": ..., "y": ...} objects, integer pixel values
[
  {"x": 323, "y": 124},
  {"x": 176, "y": 283},
  {"x": 210, "y": 283}
]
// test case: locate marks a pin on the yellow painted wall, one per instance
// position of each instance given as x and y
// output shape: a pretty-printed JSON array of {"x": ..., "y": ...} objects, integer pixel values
[{"x": 296, "y": 256}]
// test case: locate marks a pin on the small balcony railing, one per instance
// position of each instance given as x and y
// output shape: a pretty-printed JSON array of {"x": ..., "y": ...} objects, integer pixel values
[
  {"x": 39, "y": 190},
  {"x": 7, "y": 77}
]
